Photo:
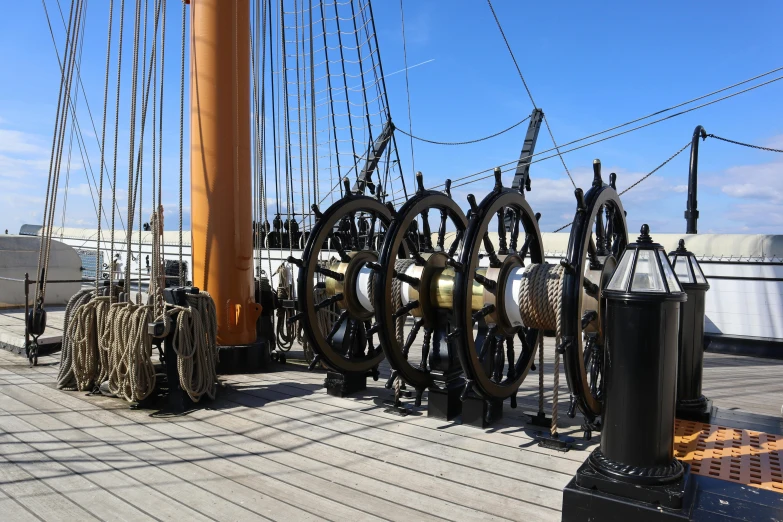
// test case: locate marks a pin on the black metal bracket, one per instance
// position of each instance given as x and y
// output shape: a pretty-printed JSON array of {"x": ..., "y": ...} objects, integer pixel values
[{"x": 522, "y": 175}]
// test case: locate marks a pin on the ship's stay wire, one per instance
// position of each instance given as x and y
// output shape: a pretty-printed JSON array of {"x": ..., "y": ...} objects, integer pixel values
[
  {"x": 80, "y": 138},
  {"x": 467, "y": 142},
  {"x": 407, "y": 88},
  {"x": 529, "y": 94},
  {"x": 769, "y": 149},
  {"x": 467, "y": 179}
]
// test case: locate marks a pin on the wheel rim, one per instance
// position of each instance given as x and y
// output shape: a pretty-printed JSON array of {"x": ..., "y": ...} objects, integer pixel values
[
  {"x": 335, "y": 222},
  {"x": 396, "y": 238},
  {"x": 471, "y": 344},
  {"x": 584, "y": 369}
]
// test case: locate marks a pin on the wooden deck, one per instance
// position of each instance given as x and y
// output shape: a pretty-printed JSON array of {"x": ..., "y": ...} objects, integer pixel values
[{"x": 274, "y": 446}]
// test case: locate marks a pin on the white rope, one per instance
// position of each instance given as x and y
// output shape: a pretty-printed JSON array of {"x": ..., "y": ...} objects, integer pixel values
[{"x": 195, "y": 342}]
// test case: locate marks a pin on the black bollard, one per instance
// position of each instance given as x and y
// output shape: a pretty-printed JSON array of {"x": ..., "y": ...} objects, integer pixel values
[
  {"x": 633, "y": 474},
  {"x": 691, "y": 404}
]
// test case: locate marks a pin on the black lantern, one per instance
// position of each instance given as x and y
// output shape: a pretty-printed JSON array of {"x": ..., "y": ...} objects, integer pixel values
[
  {"x": 634, "y": 468},
  {"x": 691, "y": 404}
]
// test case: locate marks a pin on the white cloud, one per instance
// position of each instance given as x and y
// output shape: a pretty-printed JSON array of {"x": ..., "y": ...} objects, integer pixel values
[
  {"x": 21, "y": 143},
  {"x": 752, "y": 190},
  {"x": 680, "y": 188}
]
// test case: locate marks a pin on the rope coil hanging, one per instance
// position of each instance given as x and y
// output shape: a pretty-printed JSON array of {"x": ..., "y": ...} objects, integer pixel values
[{"x": 540, "y": 305}]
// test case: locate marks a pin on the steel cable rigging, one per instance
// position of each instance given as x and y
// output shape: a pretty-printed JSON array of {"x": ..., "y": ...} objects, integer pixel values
[{"x": 630, "y": 122}]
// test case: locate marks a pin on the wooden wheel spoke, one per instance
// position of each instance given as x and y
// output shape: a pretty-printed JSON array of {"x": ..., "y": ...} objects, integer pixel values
[
  {"x": 600, "y": 233},
  {"x": 329, "y": 273},
  {"x": 593, "y": 255},
  {"x": 588, "y": 317},
  {"x": 455, "y": 244},
  {"x": 414, "y": 250},
  {"x": 328, "y": 301},
  {"x": 336, "y": 326},
  {"x": 489, "y": 248},
  {"x": 526, "y": 246},
  {"x": 502, "y": 245},
  {"x": 442, "y": 230},
  {"x": 425, "y": 230},
  {"x": 500, "y": 360},
  {"x": 337, "y": 244},
  {"x": 405, "y": 309},
  {"x": 425, "y": 348},
  {"x": 405, "y": 278},
  {"x": 511, "y": 374},
  {"x": 350, "y": 336},
  {"x": 514, "y": 229},
  {"x": 412, "y": 337},
  {"x": 489, "y": 340}
]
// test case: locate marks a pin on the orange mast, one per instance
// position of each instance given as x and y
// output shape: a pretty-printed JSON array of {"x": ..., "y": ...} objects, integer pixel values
[{"x": 220, "y": 173}]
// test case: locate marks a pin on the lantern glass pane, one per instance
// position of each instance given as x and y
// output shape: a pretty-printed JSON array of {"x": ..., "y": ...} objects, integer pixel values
[
  {"x": 671, "y": 279},
  {"x": 697, "y": 271},
  {"x": 682, "y": 269},
  {"x": 647, "y": 277},
  {"x": 622, "y": 274}
]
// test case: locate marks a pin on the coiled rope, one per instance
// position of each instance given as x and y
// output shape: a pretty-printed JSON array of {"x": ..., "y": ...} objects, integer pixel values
[
  {"x": 131, "y": 372},
  {"x": 540, "y": 305},
  {"x": 401, "y": 266},
  {"x": 285, "y": 332},
  {"x": 195, "y": 342}
]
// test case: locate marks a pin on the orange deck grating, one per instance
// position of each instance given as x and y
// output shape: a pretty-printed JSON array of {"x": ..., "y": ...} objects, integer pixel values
[{"x": 746, "y": 457}]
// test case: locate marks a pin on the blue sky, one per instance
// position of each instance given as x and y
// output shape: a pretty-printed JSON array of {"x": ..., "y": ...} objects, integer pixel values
[{"x": 588, "y": 66}]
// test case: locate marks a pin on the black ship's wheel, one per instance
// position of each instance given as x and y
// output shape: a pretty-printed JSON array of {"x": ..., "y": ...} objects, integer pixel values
[
  {"x": 338, "y": 249},
  {"x": 599, "y": 236},
  {"x": 486, "y": 347},
  {"x": 421, "y": 286}
]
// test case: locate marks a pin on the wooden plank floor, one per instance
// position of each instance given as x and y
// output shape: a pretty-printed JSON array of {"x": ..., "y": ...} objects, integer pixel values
[{"x": 274, "y": 446}]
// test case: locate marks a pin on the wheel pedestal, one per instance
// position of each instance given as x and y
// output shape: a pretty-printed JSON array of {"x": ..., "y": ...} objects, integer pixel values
[
  {"x": 344, "y": 384},
  {"x": 243, "y": 358},
  {"x": 445, "y": 403},
  {"x": 591, "y": 495},
  {"x": 480, "y": 412}
]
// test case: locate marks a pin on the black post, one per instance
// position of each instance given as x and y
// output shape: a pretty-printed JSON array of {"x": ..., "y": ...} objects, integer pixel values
[
  {"x": 26, "y": 310},
  {"x": 691, "y": 211},
  {"x": 634, "y": 474}
]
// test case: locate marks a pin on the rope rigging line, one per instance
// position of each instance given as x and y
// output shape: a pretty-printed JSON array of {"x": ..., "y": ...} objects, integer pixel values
[
  {"x": 691, "y": 109},
  {"x": 79, "y": 134},
  {"x": 407, "y": 86},
  {"x": 653, "y": 171},
  {"x": 759, "y": 147},
  {"x": 103, "y": 147},
  {"x": 181, "y": 138},
  {"x": 530, "y": 95},
  {"x": 468, "y": 142},
  {"x": 58, "y": 141}
]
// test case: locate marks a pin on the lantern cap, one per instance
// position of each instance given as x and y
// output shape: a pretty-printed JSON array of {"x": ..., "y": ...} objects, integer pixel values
[
  {"x": 687, "y": 268},
  {"x": 644, "y": 273}
]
